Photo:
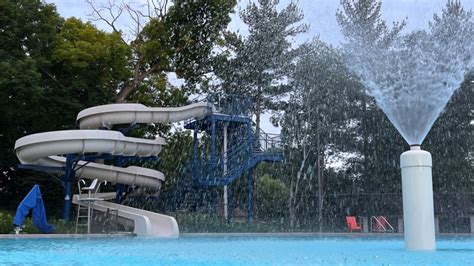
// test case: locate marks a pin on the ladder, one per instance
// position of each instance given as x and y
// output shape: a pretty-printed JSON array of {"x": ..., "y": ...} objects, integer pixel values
[{"x": 85, "y": 206}]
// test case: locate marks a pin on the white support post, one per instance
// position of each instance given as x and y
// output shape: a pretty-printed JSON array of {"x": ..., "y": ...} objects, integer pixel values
[
  {"x": 436, "y": 224},
  {"x": 418, "y": 211},
  {"x": 400, "y": 224},
  {"x": 224, "y": 152},
  {"x": 472, "y": 223},
  {"x": 365, "y": 224}
]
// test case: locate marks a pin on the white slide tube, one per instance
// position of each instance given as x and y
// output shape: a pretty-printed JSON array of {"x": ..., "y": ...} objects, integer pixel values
[
  {"x": 418, "y": 210},
  {"x": 134, "y": 113},
  {"x": 42, "y": 148}
]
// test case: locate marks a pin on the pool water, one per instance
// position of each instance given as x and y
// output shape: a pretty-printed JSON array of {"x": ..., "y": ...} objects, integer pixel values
[{"x": 231, "y": 251}]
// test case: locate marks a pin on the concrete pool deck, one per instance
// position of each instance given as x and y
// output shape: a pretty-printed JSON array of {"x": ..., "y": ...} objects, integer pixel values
[{"x": 322, "y": 235}]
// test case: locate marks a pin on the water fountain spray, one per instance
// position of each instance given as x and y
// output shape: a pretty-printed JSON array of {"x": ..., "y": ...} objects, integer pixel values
[{"x": 412, "y": 80}]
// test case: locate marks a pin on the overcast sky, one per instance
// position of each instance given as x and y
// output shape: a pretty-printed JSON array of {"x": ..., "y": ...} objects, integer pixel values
[{"x": 319, "y": 14}]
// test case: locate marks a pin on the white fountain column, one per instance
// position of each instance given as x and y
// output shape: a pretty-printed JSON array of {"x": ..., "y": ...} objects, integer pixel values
[{"x": 418, "y": 210}]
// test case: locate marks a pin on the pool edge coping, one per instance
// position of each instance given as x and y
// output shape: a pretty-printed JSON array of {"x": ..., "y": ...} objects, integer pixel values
[
  {"x": 184, "y": 234},
  {"x": 22, "y": 236}
]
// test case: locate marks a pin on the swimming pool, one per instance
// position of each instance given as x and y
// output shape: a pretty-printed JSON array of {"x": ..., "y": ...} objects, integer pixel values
[{"x": 231, "y": 251}]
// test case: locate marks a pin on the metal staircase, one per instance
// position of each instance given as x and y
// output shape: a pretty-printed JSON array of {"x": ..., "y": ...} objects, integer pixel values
[
  {"x": 243, "y": 156},
  {"x": 235, "y": 149}
]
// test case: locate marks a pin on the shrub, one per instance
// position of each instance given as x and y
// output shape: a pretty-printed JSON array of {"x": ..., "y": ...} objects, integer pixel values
[{"x": 6, "y": 222}]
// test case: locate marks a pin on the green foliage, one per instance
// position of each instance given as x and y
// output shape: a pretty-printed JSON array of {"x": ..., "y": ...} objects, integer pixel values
[
  {"x": 256, "y": 66},
  {"x": 380, "y": 145},
  {"x": 27, "y": 32},
  {"x": 82, "y": 47},
  {"x": 451, "y": 143},
  {"x": 179, "y": 41},
  {"x": 203, "y": 223},
  {"x": 272, "y": 198},
  {"x": 6, "y": 225},
  {"x": 195, "y": 26},
  {"x": 318, "y": 123},
  {"x": 50, "y": 70},
  {"x": 88, "y": 63},
  {"x": 177, "y": 154},
  {"x": 27, "y": 29},
  {"x": 361, "y": 22}
]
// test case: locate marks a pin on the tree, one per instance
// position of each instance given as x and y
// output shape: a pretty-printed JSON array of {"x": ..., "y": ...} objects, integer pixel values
[
  {"x": 259, "y": 65},
  {"x": 365, "y": 32},
  {"x": 27, "y": 34},
  {"x": 177, "y": 38},
  {"x": 50, "y": 70},
  {"x": 272, "y": 198},
  {"x": 411, "y": 77},
  {"x": 451, "y": 139},
  {"x": 87, "y": 65},
  {"x": 81, "y": 50},
  {"x": 361, "y": 24},
  {"x": 318, "y": 124}
]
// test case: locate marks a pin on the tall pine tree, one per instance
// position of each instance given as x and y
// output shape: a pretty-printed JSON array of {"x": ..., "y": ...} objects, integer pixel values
[{"x": 260, "y": 64}]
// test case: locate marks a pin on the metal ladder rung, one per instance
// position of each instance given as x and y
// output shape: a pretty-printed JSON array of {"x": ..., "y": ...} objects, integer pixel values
[{"x": 86, "y": 206}]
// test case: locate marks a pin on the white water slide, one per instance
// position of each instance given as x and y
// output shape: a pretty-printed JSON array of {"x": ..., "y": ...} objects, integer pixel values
[{"x": 50, "y": 148}]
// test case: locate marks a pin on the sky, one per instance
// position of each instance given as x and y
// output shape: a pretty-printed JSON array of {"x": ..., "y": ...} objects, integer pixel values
[{"x": 319, "y": 14}]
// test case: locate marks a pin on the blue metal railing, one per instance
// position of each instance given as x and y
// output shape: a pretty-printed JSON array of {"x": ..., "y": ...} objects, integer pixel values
[
  {"x": 268, "y": 142},
  {"x": 242, "y": 156},
  {"x": 232, "y": 104}
]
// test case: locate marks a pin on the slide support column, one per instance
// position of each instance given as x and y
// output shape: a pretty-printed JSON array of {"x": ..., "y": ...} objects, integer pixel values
[
  {"x": 119, "y": 188},
  {"x": 213, "y": 202},
  {"x": 229, "y": 204},
  {"x": 68, "y": 176},
  {"x": 224, "y": 154},
  {"x": 250, "y": 196},
  {"x": 195, "y": 151},
  {"x": 213, "y": 146}
]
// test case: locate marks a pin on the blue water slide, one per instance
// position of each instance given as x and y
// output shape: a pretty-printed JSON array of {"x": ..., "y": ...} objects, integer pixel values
[{"x": 33, "y": 201}]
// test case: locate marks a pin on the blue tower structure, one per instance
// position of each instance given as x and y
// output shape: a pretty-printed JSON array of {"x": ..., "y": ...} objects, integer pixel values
[{"x": 234, "y": 149}]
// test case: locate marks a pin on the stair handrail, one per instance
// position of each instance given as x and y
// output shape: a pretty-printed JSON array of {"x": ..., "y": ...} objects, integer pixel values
[
  {"x": 268, "y": 141},
  {"x": 389, "y": 225},
  {"x": 381, "y": 224}
]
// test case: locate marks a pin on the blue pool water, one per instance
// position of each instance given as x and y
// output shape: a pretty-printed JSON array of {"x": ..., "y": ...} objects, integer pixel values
[{"x": 231, "y": 251}]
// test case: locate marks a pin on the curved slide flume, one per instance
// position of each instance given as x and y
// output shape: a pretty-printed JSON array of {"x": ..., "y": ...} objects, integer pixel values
[{"x": 49, "y": 148}]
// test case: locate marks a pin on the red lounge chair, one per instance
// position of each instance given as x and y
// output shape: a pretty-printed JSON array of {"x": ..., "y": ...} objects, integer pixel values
[{"x": 352, "y": 224}]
